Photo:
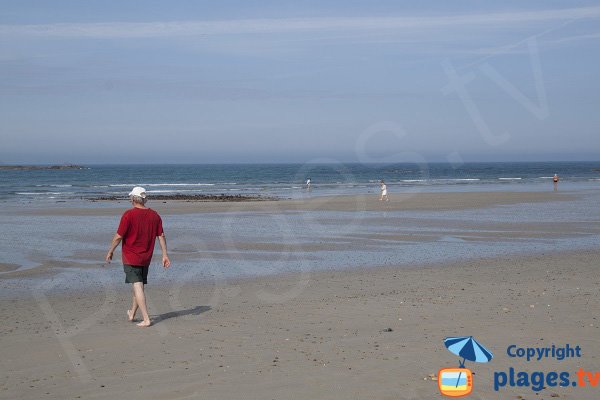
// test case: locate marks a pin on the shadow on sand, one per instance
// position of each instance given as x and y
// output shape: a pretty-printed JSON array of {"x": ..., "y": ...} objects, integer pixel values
[{"x": 174, "y": 314}]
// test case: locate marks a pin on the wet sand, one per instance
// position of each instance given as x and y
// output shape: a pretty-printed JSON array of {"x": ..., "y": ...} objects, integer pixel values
[
  {"x": 299, "y": 230},
  {"x": 8, "y": 267},
  {"x": 398, "y": 202}
]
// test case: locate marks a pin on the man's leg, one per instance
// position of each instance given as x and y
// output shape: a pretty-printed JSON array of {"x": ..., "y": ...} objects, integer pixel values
[
  {"x": 140, "y": 298},
  {"x": 134, "y": 306}
]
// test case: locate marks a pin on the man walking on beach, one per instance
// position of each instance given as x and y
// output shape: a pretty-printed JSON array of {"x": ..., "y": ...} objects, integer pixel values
[{"x": 138, "y": 229}]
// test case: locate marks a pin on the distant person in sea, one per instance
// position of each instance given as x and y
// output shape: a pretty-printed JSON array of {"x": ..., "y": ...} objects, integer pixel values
[
  {"x": 308, "y": 182},
  {"x": 555, "y": 179},
  {"x": 384, "y": 195},
  {"x": 138, "y": 230}
]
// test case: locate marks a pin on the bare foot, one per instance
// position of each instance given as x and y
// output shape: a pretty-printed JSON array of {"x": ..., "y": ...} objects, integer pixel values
[
  {"x": 144, "y": 324},
  {"x": 129, "y": 316}
]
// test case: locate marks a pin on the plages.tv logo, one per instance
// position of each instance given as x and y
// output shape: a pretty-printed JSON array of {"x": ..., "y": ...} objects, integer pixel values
[{"x": 458, "y": 382}]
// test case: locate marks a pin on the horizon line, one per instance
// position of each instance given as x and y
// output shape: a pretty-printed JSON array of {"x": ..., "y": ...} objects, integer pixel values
[{"x": 285, "y": 163}]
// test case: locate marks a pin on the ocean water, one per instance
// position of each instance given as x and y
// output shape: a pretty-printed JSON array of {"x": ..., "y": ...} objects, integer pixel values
[{"x": 287, "y": 180}]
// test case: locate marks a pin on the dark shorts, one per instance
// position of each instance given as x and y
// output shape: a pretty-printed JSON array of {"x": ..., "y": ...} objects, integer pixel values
[{"x": 135, "y": 274}]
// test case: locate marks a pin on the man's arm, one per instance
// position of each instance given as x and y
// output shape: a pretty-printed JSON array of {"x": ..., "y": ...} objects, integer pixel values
[
  {"x": 163, "y": 247},
  {"x": 115, "y": 242}
]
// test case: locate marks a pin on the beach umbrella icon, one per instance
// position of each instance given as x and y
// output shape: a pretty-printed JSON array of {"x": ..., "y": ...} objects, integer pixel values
[{"x": 468, "y": 348}]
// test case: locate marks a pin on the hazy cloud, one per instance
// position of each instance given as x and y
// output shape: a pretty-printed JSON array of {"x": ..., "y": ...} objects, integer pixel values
[{"x": 116, "y": 30}]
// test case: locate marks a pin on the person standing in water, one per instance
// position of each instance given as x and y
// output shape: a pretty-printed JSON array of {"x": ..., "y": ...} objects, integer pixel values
[
  {"x": 384, "y": 194},
  {"x": 555, "y": 180},
  {"x": 308, "y": 182},
  {"x": 138, "y": 230}
]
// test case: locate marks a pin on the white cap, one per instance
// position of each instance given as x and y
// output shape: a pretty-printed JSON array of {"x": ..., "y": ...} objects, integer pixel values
[{"x": 138, "y": 191}]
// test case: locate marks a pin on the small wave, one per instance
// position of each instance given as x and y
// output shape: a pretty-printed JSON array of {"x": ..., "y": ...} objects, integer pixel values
[
  {"x": 122, "y": 185},
  {"x": 456, "y": 180},
  {"x": 43, "y": 193},
  {"x": 292, "y": 188},
  {"x": 178, "y": 184},
  {"x": 510, "y": 179},
  {"x": 58, "y": 186},
  {"x": 159, "y": 184},
  {"x": 413, "y": 180},
  {"x": 545, "y": 177},
  {"x": 173, "y": 191}
]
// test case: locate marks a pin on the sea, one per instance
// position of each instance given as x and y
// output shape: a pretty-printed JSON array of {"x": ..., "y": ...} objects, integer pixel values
[
  {"x": 286, "y": 180},
  {"x": 46, "y": 252}
]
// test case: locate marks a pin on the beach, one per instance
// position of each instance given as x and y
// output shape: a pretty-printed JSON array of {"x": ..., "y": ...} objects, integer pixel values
[
  {"x": 299, "y": 200},
  {"x": 399, "y": 202},
  {"x": 323, "y": 298}
]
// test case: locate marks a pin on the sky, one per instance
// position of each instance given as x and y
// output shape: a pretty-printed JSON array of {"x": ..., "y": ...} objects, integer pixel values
[{"x": 298, "y": 81}]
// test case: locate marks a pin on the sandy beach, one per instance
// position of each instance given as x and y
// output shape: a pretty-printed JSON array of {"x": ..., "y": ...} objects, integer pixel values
[
  {"x": 372, "y": 332},
  {"x": 346, "y": 203},
  {"x": 301, "y": 200},
  {"x": 299, "y": 337}
]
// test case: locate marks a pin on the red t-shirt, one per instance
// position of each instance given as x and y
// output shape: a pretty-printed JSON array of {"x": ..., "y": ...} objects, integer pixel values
[{"x": 139, "y": 229}]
